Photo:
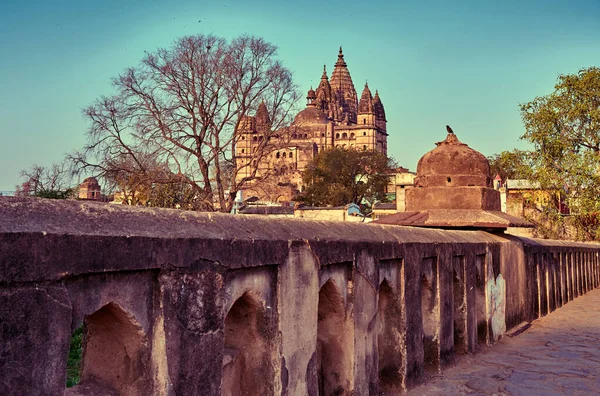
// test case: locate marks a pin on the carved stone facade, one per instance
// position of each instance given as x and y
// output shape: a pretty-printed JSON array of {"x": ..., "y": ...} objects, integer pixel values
[{"x": 334, "y": 117}]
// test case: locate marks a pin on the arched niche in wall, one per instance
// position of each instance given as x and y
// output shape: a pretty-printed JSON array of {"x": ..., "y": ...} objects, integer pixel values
[
  {"x": 334, "y": 365},
  {"x": 247, "y": 368},
  {"x": 116, "y": 354}
]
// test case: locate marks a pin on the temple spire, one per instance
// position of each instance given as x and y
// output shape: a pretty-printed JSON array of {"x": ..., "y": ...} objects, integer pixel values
[
  {"x": 340, "y": 60},
  {"x": 365, "y": 105}
]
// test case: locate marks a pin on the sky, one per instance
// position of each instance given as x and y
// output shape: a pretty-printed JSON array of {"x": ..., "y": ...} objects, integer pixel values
[{"x": 467, "y": 64}]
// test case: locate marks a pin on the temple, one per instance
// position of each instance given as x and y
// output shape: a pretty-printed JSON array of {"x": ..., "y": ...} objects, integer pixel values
[{"x": 334, "y": 117}]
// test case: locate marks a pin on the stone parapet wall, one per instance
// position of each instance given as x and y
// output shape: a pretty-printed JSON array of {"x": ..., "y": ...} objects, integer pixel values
[{"x": 187, "y": 303}]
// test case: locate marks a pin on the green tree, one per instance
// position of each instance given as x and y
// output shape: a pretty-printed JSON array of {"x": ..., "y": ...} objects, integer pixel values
[
  {"x": 341, "y": 176},
  {"x": 564, "y": 128},
  {"x": 516, "y": 164}
]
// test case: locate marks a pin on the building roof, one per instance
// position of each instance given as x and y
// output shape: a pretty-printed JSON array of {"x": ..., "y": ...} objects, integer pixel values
[
  {"x": 267, "y": 210},
  {"x": 522, "y": 184},
  {"x": 378, "y": 107},
  {"x": 310, "y": 116},
  {"x": 455, "y": 218},
  {"x": 262, "y": 116},
  {"x": 384, "y": 206}
]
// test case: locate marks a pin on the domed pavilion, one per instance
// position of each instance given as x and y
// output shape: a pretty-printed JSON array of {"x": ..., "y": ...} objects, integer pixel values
[{"x": 453, "y": 189}]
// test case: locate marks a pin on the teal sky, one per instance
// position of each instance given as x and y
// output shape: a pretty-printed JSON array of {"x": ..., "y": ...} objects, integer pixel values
[{"x": 463, "y": 63}]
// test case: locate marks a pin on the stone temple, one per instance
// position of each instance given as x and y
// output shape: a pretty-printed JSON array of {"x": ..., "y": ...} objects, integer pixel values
[{"x": 335, "y": 116}]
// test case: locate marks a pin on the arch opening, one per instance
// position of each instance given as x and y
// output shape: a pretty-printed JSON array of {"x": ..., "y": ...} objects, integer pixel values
[
  {"x": 246, "y": 366},
  {"x": 115, "y": 353},
  {"x": 334, "y": 367}
]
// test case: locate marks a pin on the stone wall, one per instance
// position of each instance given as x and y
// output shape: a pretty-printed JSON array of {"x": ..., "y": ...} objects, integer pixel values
[{"x": 182, "y": 303}]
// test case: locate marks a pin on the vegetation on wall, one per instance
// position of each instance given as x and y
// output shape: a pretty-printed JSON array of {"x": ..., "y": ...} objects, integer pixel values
[{"x": 74, "y": 359}]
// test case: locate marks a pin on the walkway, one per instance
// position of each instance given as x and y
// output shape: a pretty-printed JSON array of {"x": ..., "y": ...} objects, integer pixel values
[{"x": 558, "y": 355}]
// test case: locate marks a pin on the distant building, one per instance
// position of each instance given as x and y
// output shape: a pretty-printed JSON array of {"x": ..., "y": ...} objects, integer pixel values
[
  {"x": 350, "y": 212},
  {"x": 267, "y": 210},
  {"x": 521, "y": 195},
  {"x": 90, "y": 190},
  {"x": 402, "y": 180},
  {"x": 383, "y": 209},
  {"x": 334, "y": 117}
]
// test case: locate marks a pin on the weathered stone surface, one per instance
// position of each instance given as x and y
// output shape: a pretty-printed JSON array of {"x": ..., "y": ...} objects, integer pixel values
[
  {"x": 553, "y": 357},
  {"x": 208, "y": 304},
  {"x": 298, "y": 289},
  {"x": 35, "y": 327},
  {"x": 193, "y": 322},
  {"x": 452, "y": 198}
]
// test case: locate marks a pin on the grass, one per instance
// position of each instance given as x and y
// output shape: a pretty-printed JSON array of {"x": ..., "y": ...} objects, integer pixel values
[{"x": 74, "y": 360}]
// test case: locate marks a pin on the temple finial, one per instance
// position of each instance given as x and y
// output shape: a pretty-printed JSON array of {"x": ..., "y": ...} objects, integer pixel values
[
  {"x": 324, "y": 76},
  {"x": 340, "y": 60}
]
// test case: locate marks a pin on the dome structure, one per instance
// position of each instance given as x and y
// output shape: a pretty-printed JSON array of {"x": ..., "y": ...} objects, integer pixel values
[
  {"x": 310, "y": 116},
  {"x": 452, "y": 190},
  {"x": 453, "y": 176},
  {"x": 453, "y": 164}
]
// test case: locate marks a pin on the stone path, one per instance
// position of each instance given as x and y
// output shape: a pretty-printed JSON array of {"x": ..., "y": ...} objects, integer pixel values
[{"x": 558, "y": 355}]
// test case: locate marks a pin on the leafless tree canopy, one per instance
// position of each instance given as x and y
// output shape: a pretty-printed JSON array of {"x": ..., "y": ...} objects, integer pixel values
[
  {"x": 49, "y": 182},
  {"x": 172, "y": 121}
]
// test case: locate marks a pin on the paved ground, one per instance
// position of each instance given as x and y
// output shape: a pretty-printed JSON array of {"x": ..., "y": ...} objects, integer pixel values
[{"x": 558, "y": 355}]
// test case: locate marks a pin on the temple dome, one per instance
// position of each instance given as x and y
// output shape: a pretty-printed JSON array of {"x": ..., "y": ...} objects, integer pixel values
[
  {"x": 453, "y": 164},
  {"x": 310, "y": 116}
]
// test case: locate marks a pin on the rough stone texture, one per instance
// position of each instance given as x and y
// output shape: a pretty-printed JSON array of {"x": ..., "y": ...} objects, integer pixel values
[
  {"x": 458, "y": 197},
  {"x": 298, "y": 285},
  {"x": 558, "y": 355},
  {"x": 35, "y": 325},
  {"x": 454, "y": 219},
  {"x": 453, "y": 164},
  {"x": 193, "y": 324},
  {"x": 208, "y": 304}
]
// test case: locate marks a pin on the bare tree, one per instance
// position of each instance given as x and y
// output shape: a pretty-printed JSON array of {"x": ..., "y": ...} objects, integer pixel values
[
  {"x": 174, "y": 117},
  {"x": 46, "y": 182}
]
